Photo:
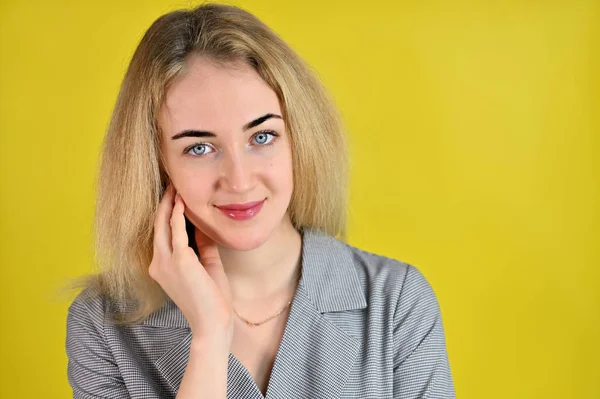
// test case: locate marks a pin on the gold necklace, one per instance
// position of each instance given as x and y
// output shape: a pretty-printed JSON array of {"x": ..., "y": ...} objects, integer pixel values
[
  {"x": 253, "y": 324},
  {"x": 260, "y": 323}
]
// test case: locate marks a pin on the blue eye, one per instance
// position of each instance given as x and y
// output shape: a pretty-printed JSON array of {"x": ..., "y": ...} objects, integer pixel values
[
  {"x": 198, "y": 149},
  {"x": 264, "y": 138}
]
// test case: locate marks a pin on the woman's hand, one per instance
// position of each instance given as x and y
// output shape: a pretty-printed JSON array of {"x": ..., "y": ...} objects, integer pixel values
[{"x": 201, "y": 291}]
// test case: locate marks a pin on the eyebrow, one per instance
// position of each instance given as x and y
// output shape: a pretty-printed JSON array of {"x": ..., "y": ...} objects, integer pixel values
[{"x": 204, "y": 133}]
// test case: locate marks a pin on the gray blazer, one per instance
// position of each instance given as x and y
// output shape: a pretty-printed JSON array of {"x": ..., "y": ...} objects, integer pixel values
[{"x": 360, "y": 326}]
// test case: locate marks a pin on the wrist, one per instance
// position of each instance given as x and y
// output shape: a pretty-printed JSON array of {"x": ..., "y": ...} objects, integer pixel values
[{"x": 211, "y": 345}]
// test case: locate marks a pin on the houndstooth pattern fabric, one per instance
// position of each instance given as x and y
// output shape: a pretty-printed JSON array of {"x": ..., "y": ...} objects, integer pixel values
[{"x": 360, "y": 326}]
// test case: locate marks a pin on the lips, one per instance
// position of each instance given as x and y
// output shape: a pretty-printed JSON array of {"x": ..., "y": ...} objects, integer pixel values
[
  {"x": 239, "y": 207},
  {"x": 241, "y": 211}
]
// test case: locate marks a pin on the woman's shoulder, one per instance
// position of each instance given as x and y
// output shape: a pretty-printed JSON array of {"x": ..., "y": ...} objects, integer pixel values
[
  {"x": 87, "y": 313},
  {"x": 399, "y": 291},
  {"x": 388, "y": 274},
  {"x": 380, "y": 277},
  {"x": 94, "y": 305}
]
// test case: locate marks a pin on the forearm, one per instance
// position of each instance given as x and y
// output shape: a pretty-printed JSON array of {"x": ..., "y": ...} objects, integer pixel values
[{"x": 206, "y": 372}]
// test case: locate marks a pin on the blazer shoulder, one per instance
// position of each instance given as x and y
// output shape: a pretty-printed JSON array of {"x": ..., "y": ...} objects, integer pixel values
[
  {"x": 377, "y": 267},
  {"x": 397, "y": 279},
  {"x": 89, "y": 306}
]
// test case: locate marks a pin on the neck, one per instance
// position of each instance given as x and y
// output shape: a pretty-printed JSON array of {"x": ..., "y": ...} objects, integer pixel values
[{"x": 266, "y": 272}]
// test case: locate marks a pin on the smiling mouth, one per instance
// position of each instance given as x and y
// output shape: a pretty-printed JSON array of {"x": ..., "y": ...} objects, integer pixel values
[
  {"x": 239, "y": 207},
  {"x": 244, "y": 211}
]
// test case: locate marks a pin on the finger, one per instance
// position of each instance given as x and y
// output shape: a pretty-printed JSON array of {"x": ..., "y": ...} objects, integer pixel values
[
  {"x": 211, "y": 260},
  {"x": 207, "y": 249},
  {"x": 162, "y": 231},
  {"x": 178, "y": 233}
]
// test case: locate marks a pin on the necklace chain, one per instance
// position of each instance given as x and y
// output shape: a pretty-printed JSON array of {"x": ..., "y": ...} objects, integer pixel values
[{"x": 253, "y": 324}]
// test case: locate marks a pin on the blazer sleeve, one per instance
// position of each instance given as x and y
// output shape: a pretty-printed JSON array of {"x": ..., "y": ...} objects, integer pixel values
[
  {"x": 421, "y": 368},
  {"x": 92, "y": 370}
]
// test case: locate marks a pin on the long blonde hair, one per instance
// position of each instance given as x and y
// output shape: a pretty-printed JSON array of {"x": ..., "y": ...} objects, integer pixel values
[{"x": 132, "y": 180}]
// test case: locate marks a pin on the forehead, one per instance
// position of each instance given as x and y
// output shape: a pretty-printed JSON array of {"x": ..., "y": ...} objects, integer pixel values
[{"x": 216, "y": 97}]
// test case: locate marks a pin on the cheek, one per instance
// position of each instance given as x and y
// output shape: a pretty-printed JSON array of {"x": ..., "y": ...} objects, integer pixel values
[
  {"x": 194, "y": 186},
  {"x": 281, "y": 172}
]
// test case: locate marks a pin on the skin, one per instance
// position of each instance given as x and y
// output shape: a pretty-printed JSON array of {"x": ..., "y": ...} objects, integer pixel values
[{"x": 250, "y": 265}]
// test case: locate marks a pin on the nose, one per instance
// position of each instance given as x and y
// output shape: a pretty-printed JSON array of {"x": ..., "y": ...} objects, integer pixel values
[{"x": 236, "y": 172}]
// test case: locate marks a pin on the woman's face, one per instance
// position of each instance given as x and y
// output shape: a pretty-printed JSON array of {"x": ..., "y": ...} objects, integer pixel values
[{"x": 225, "y": 146}]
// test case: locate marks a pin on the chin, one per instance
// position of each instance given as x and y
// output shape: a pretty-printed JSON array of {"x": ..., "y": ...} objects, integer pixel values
[{"x": 242, "y": 239}]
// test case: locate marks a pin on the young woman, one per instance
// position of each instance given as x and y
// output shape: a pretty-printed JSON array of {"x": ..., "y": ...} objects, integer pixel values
[{"x": 221, "y": 193}]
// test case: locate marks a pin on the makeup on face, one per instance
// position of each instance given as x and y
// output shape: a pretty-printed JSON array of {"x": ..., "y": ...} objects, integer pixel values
[
  {"x": 242, "y": 212},
  {"x": 228, "y": 153}
]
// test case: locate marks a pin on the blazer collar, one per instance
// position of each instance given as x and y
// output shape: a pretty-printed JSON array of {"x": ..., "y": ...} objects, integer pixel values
[{"x": 329, "y": 274}]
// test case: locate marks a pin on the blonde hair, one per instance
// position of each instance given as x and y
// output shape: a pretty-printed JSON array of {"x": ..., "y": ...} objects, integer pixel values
[{"x": 131, "y": 178}]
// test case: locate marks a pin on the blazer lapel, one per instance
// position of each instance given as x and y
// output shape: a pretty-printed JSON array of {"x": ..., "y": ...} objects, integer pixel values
[
  {"x": 172, "y": 366},
  {"x": 316, "y": 356}
]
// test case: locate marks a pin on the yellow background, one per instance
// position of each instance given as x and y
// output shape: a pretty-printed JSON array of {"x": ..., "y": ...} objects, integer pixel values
[{"x": 475, "y": 148}]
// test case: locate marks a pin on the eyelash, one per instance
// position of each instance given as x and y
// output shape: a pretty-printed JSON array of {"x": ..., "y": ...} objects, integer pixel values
[{"x": 188, "y": 149}]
